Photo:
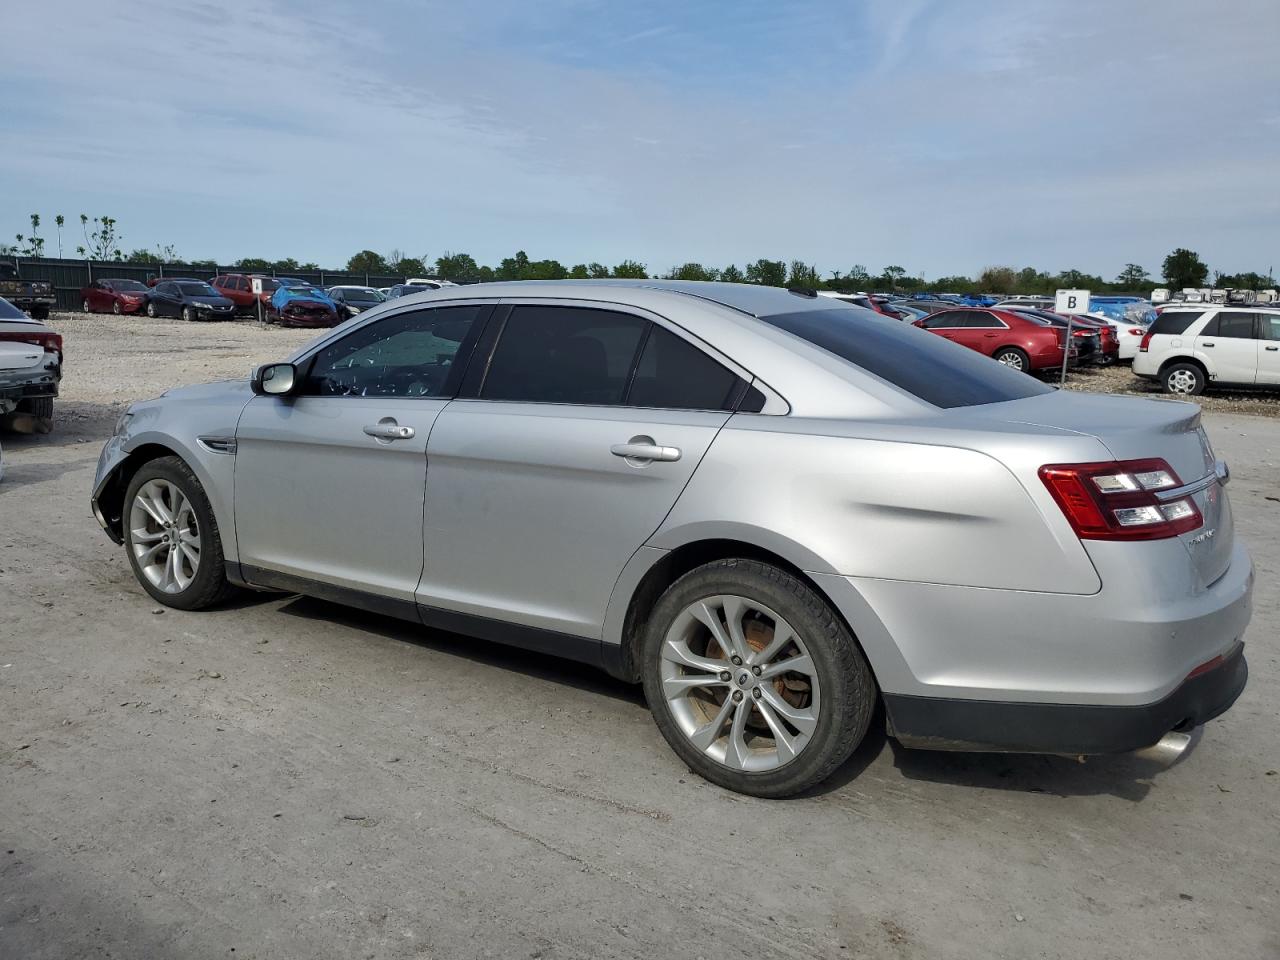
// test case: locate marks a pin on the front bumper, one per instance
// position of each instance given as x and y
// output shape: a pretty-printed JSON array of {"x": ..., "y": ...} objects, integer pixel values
[{"x": 936, "y": 723}]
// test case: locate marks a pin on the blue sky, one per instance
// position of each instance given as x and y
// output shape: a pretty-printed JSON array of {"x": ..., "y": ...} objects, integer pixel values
[{"x": 941, "y": 135}]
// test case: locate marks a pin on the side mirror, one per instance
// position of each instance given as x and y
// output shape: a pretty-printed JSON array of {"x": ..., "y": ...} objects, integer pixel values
[{"x": 275, "y": 379}]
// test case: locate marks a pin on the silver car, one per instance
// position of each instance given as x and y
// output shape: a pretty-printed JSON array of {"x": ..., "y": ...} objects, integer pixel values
[{"x": 776, "y": 511}]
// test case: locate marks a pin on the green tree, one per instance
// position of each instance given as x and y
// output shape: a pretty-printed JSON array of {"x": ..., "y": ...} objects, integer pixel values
[
  {"x": 631, "y": 270},
  {"x": 1184, "y": 268},
  {"x": 1079, "y": 280},
  {"x": 891, "y": 276},
  {"x": 579, "y": 272},
  {"x": 769, "y": 273},
  {"x": 367, "y": 261},
  {"x": 408, "y": 267},
  {"x": 459, "y": 267},
  {"x": 287, "y": 265},
  {"x": 803, "y": 276},
  {"x": 597, "y": 271},
  {"x": 997, "y": 280},
  {"x": 954, "y": 284},
  {"x": 513, "y": 268},
  {"x": 1132, "y": 278},
  {"x": 142, "y": 256},
  {"x": 252, "y": 263},
  {"x": 102, "y": 242},
  {"x": 1242, "y": 281},
  {"x": 692, "y": 271},
  {"x": 732, "y": 274},
  {"x": 60, "y": 221}
]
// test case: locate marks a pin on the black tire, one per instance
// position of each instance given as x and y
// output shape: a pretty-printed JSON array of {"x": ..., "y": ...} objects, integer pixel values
[
  {"x": 848, "y": 689},
  {"x": 152, "y": 312},
  {"x": 209, "y": 585},
  {"x": 37, "y": 407},
  {"x": 1013, "y": 357},
  {"x": 1183, "y": 379},
  {"x": 188, "y": 315},
  {"x": 39, "y": 313},
  {"x": 84, "y": 307}
]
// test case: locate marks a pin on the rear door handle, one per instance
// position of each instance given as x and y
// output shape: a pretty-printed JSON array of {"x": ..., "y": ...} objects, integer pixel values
[
  {"x": 386, "y": 430},
  {"x": 1273, "y": 348},
  {"x": 643, "y": 448},
  {"x": 1206, "y": 344}
]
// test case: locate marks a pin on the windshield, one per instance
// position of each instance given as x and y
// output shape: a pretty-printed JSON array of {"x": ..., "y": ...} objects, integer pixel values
[
  {"x": 926, "y": 366},
  {"x": 360, "y": 295},
  {"x": 197, "y": 290},
  {"x": 128, "y": 286}
]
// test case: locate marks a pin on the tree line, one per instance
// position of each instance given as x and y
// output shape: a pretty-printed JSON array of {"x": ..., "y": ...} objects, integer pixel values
[{"x": 1181, "y": 268}]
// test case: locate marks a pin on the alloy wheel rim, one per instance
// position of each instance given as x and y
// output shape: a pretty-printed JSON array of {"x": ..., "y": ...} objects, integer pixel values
[
  {"x": 740, "y": 683},
  {"x": 1011, "y": 360},
  {"x": 164, "y": 536},
  {"x": 1182, "y": 381}
]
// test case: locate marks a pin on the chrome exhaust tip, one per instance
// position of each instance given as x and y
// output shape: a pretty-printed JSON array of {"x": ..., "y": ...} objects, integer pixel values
[{"x": 1168, "y": 750}]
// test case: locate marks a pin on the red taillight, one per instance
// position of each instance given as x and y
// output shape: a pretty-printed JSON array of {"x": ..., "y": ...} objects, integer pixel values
[
  {"x": 1117, "y": 499},
  {"x": 43, "y": 340},
  {"x": 1146, "y": 342}
]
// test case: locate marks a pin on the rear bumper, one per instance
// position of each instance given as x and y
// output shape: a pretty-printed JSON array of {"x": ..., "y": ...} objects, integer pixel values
[{"x": 1000, "y": 726}]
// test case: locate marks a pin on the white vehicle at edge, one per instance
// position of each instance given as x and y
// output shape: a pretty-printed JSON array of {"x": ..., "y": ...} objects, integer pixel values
[
  {"x": 1129, "y": 333},
  {"x": 1190, "y": 346}
]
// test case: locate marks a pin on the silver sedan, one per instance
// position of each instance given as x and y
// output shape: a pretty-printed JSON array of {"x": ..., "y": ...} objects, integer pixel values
[{"x": 783, "y": 515}]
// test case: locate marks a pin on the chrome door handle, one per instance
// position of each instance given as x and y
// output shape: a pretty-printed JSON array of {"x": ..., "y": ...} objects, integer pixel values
[
  {"x": 387, "y": 429},
  {"x": 643, "y": 448}
]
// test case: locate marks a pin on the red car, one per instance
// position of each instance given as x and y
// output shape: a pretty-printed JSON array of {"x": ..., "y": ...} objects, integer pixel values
[
  {"x": 1016, "y": 339},
  {"x": 114, "y": 296},
  {"x": 1108, "y": 347},
  {"x": 238, "y": 288}
]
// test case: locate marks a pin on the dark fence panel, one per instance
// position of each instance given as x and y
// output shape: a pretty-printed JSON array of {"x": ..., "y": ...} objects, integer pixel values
[{"x": 69, "y": 277}]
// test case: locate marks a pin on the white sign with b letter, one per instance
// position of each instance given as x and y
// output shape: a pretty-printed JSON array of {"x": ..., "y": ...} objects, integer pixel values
[{"x": 1071, "y": 301}]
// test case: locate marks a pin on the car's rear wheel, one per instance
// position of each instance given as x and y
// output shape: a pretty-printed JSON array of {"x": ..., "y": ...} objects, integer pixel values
[
  {"x": 171, "y": 536},
  {"x": 152, "y": 311},
  {"x": 1185, "y": 379},
  {"x": 37, "y": 406},
  {"x": 1013, "y": 357},
  {"x": 753, "y": 680}
]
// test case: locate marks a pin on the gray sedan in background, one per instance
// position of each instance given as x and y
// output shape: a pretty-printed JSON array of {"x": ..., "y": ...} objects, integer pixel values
[{"x": 783, "y": 515}]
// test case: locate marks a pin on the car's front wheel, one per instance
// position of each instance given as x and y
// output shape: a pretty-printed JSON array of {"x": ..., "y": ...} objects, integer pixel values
[
  {"x": 753, "y": 680},
  {"x": 187, "y": 314},
  {"x": 84, "y": 306},
  {"x": 171, "y": 536},
  {"x": 115, "y": 307},
  {"x": 1185, "y": 379}
]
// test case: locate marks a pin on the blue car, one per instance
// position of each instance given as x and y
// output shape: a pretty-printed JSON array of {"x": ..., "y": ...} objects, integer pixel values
[{"x": 297, "y": 303}]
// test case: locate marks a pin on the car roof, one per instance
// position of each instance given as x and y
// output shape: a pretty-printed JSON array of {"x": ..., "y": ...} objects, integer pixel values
[{"x": 748, "y": 298}]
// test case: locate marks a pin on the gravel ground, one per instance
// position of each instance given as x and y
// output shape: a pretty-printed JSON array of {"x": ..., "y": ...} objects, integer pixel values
[{"x": 285, "y": 778}]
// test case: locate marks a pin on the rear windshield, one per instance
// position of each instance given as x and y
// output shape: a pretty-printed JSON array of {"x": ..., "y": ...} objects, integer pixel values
[
  {"x": 1175, "y": 321},
  {"x": 9, "y": 312},
  {"x": 921, "y": 363}
]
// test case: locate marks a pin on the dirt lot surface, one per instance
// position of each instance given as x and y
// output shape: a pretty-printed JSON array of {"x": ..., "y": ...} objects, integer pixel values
[{"x": 286, "y": 778}]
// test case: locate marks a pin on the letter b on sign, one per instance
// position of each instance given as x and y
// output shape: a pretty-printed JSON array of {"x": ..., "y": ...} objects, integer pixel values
[{"x": 1071, "y": 301}]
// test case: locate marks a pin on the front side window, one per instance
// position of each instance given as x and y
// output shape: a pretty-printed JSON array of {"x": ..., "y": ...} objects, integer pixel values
[
  {"x": 944, "y": 320},
  {"x": 548, "y": 354},
  {"x": 408, "y": 355}
]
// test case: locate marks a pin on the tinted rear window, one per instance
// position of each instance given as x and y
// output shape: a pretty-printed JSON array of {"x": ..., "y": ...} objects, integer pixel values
[
  {"x": 1175, "y": 321},
  {"x": 924, "y": 365},
  {"x": 9, "y": 312}
]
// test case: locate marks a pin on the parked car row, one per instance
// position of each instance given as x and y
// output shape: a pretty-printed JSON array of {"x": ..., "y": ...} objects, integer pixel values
[{"x": 30, "y": 364}]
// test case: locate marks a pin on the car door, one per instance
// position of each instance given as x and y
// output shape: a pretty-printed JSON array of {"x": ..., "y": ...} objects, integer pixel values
[
  {"x": 329, "y": 482},
  {"x": 1269, "y": 348},
  {"x": 982, "y": 331},
  {"x": 1229, "y": 343},
  {"x": 563, "y": 453},
  {"x": 164, "y": 296}
]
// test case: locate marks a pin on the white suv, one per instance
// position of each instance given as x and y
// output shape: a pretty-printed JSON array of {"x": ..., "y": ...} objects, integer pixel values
[{"x": 1187, "y": 348}]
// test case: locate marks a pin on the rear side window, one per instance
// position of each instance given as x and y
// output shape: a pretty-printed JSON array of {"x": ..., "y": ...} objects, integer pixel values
[
  {"x": 931, "y": 368},
  {"x": 675, "y": 374},
  {"x": 1231, "y": 325},
  {"x": 1175, "y": 321},
  {"x": 1270, "y": 326},
  {"x": 980, "y": 318},
  {"x": 945, "y": 319},
  {"x": 563, "y": 355}
]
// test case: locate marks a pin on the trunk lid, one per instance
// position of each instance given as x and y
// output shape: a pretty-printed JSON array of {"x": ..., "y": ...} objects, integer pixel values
[
  {"x": 19, "y": 356},
  {"x": 1132, "y": 428}
]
